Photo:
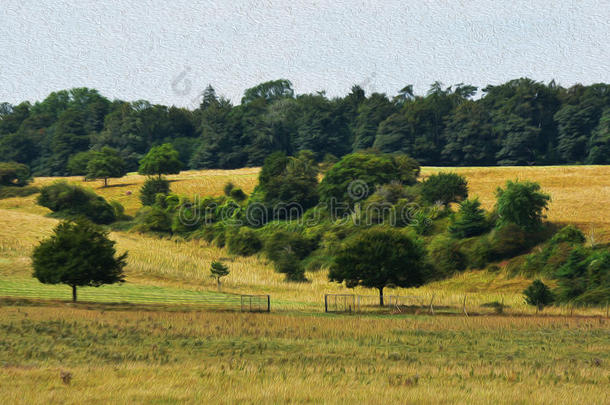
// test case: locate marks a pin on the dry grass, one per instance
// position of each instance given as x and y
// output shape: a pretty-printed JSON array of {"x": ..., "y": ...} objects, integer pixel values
[
  {"x": 580, "y": 194},
  {"x": 200, "y": 357}
]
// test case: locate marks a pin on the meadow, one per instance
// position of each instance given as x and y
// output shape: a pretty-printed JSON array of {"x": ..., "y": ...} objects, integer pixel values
[{"x": 160, "y": 350}]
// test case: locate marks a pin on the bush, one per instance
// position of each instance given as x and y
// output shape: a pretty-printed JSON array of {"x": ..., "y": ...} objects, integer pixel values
[
  {"x": 477, "y": 252},
  {"x": 445, "y": 256},
  {"x": 521, "y": 203},
  {"x": 14, "y": 174},
  {"x": 355, "y": 176},
  {"x": 291, "y": 266},
  {"x": 282, "y": 242},
  {"x": 469, "y": 220},
  {"x": 153, "y": 219},
  {"x": 568, "y": 234},
  {"x": 72, "y": 200},
  {"x": 238, "y": 194},
  {"x": 538, "y": 295},
  {"x": 245, "y": 242},
  {"x": 10, "y": 192},
  {"x": 444, "y": 188},
  {"x": 509, "y": 241},
  {"x": 152, "y": 187}
]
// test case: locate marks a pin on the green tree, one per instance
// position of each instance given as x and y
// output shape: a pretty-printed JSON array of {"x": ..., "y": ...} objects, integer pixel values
[
  {"x": 152, "y": 187},
  {"x": 444, "y": 188},
  {"x": 521, "y": 203},
  {"x": 160, "y": 160},
  {"x": 105, "y": 164},
  {"x": 218, "y": 270},
  {"x": 378, "y": 257},
  {"x": 469, "y": 220},
  {"x": 77, "y": 164},
  {"x": 14, "y": 174},
  {"x": 355, "y": 177},
  {"x": 78, "y": 254},
  {"x": 538, "y": 295}
]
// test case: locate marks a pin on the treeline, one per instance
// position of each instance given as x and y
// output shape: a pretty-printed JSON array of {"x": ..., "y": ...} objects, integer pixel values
[{"x": 521, "y": 122}]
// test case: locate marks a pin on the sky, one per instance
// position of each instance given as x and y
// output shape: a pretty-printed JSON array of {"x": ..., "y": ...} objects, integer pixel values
[{"x": 167, "y": 52}]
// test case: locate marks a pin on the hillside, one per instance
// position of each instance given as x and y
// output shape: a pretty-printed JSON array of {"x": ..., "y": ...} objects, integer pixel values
[{"x": 579, "y": 195}]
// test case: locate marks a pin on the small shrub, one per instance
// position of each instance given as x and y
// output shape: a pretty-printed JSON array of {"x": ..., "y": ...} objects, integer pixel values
[
  {"x": 569, "y": 234},
  {"x": 14, "y": 174},
  {"x": 245, "y": 242},
  {"x": 509, "y": 241},
  {"x": 291, "y": 266},
  {"x": 153, "y": 219},
  {"x": 72, "y": 200},
  {"x": 538, "y": 295},
  {"x": 445, "y": 256},
  {"x": 228, "y": 187},
  {"x": 152, "y": 187},
  {"x": 11, "y": 192},
  {"x": 444, "y": 188},
  {"x": 469, "y": 220},
  {"x": 238, "y": 194}
]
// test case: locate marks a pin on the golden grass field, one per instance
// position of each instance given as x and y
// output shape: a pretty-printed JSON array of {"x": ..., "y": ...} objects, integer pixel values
[{"x": 297, "y": 353}]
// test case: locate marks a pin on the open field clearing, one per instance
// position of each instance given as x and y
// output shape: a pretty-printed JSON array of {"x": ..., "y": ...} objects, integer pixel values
[{"x": 156, "y": 356}]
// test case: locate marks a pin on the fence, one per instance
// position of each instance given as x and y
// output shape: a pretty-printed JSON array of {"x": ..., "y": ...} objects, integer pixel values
[
  {"x": 450, "y": 304},
  {"x": 255, "y": 303}
]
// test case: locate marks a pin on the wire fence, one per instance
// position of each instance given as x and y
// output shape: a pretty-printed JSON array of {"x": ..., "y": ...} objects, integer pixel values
[{"x": 465, "y": 305}]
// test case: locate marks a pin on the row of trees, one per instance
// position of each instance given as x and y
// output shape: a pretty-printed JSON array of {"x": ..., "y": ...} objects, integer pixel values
[{"x": 521, "y": 122}]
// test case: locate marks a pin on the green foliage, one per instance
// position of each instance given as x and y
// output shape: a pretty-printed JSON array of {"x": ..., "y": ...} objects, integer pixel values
[
  {"x": 538, "y": 295},
  {"x": 77, "y": 164},
  {"x": 509, "y": 241},
  {"x": 519, "y": 122},
  {"x": 14, "y": 174},
  {"x": 78, "y": 254},
  {"x": 585, "y": 277},
  {"x": 152, "y": 187},
  {"x": 105, "y": 164},
  {"x": 445, "y": 256},
  {"x": 218, "y": 270},
  {"x": 469, "y": 221},
  {"x": 10, "y": 192},
  {"x": 521, "y": 203},
  {"x": 163, "y": 159},
  {"x": 444, "y": 188},
  {"x": 153, "y": 219},
  {"x": 289, "y": 183},
  {"x": 71, "y": 200},
  {"x": 244, "y": 242},
  {"x": 568, "y": 234},
  {"x": 355, "y": 177},
  {"x": 287, "y": 249},
  {"x": 379, "y": 257}
]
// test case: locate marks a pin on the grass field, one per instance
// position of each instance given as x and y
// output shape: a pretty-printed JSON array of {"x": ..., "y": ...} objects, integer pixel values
[
  {"x": 204, "y": 357},
  {"x": 156, "y": 349}
]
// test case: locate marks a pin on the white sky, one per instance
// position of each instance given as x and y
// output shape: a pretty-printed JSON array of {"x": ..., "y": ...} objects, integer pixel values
[{"x": 168, "y": 51}]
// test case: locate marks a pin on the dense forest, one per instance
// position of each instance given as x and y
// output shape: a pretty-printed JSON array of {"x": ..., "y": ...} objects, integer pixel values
[{"x": 521, "y": 122}]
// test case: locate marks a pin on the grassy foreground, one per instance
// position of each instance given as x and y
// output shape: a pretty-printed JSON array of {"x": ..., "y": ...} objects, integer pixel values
[{"x": 195, "y": 357}]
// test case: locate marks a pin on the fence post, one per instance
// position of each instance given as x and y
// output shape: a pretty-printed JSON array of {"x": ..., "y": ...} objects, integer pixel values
[
  {"x": 431, "y": 311},
  {"x": 325, "y": 302},
  {"x": 464, "y": 306},
  {"x": 268, "y": 303}
]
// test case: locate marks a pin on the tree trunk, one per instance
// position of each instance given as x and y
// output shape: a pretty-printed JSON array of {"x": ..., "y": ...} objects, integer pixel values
[
  {"x": 105, "y": 181},
  {"x": 73, "y": 293},
  {"x": 380, "y": 296},
  {"x": 218, "y": 281}
]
